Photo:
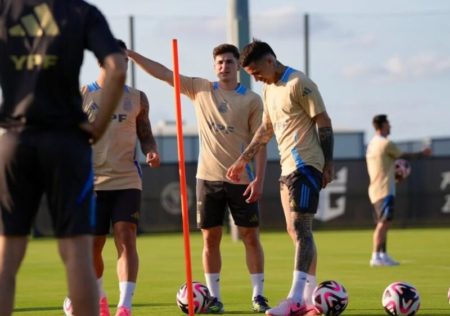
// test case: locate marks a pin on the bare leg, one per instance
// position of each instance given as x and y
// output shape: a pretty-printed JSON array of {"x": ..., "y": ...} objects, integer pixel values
[
  {"x": 128, "y": 259},
  {"x": 253, "y": 249},
  {"x": 99, "y": 243},
  {"x": 12, "y": 251},
  {"x": 380, "y": 236},
  {"x": 212, "y": 262},
  {"x": 76, "y": 253}
]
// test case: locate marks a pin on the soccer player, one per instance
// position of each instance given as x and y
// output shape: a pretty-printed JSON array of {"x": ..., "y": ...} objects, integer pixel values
[
  {"x": 228, "y": 114},
  {"x": 118, "y": 183},
  {"x": 380, "y": 157},
  {"x": 45, "y": 136},
  {"x": 295, "y": 113}
]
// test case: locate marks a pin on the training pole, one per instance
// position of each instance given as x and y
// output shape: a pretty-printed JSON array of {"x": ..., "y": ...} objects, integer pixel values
[{"x": 182, "y": 172}]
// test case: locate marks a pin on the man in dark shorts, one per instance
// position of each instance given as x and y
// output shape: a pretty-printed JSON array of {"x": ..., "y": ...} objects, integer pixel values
[
  {"x": 118, "y": 184},
  {"x": 227, "y": 116},
  {"x": 295, "y": 113},
  {"x": 45, "y": 136}
]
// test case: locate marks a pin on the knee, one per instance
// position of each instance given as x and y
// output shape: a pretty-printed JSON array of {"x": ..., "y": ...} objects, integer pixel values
[{"x": 250, "y": 238}]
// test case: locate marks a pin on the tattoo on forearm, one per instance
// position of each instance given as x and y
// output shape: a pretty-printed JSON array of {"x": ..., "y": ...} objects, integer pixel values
[
  {"x": 261, "y": 138},
  {"x": 143, "y": 127},
  {"x": 326, "y": 142}
]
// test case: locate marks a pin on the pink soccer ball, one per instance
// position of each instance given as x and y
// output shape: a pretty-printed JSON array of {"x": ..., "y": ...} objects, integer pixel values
[
  {"x": 201, "y": 297},
  {"x": 330, "y": 298},
  {"x": 402, "y": 169},
  {"x": 401, "y": 299}
]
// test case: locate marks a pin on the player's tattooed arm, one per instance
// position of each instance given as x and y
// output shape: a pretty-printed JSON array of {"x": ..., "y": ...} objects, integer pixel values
[
  {"x": 144, "y": 129},
  {"x": 326, "y": 142},
  {"x": 262, "y": 136},
  {"x": 326, "y": 139}
]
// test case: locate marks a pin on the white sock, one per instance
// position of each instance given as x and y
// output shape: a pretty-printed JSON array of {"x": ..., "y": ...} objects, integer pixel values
[
  {"x": 298, "y": 286},
  {"x": 310, "y": 285},
  {"x": 376, "y": 255},
  {"x": 126, "y": 293},
  {"x": 101, "y": 291},
  {"x": 257, "y": 283},
  {"x": 213, "y": 284}
]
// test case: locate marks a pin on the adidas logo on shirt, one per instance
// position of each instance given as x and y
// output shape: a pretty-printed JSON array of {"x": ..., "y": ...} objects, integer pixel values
[{"x": 41, "y": 23}]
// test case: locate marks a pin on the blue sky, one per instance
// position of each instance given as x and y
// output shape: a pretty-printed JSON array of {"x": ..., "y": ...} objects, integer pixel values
[{"x": 367, "y": 57}]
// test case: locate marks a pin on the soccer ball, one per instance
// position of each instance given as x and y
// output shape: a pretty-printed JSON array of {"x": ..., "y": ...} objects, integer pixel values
[
  {"x": 401, "y": 299},
  {"x": 330, "y": 298},
  {"x": 201, "y": 297},
  {"x": 402, "y": 169}
]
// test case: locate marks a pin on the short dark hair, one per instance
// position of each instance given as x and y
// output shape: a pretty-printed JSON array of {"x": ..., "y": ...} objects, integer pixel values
[
  {"x": 378, "y": 121},
  {"x": 254, "y": 51},
  {"x": 121, "y": 44},
  {"x": 226, "y": 48}
]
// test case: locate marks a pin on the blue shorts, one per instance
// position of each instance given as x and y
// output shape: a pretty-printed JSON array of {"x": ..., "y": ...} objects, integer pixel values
[
  {"x": 304, "y": 186},
  {"x": 384, "y": 209}
]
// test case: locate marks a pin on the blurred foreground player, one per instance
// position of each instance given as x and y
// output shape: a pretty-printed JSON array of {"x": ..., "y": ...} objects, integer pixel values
[{"x": 45, "y": 137}]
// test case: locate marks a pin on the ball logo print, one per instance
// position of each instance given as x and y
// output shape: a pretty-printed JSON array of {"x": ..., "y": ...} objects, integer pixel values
[
  {"x": 330, "y": 298},
  {"x": 401, "y": 299},
  {"x": 201, "y": 297}
]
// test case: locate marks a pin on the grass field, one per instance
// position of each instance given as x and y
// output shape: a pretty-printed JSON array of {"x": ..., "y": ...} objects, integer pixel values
[{"x": 343, "y": 256}]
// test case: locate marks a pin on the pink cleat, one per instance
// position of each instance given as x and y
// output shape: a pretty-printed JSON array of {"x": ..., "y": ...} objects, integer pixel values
[
  {"x": 123, "y": 311},
  {"x": 104, "y": 307},
  {"x": 289, "y": 307}
]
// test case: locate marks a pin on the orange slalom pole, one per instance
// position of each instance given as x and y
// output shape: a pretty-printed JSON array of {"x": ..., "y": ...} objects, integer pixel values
[{"x": 182, "y": 172}]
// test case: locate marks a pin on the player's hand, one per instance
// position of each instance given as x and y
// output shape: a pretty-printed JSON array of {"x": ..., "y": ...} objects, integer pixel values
[
  {"x": 152, "y": 159},
  {"x": 327, "y": 174},
  {"x": 253, "y": 191},
  {"x": 89, "y": 129},
  {"x": 235, "y": 170}
]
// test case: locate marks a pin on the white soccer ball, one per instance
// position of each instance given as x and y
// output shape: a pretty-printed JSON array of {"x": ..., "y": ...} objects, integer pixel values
[
  {"x": 330, "y": 298},
  {"x": 401, "y": 299},
  {"x": 402, "y": 169},
  {"x": 201, "y": 297}
]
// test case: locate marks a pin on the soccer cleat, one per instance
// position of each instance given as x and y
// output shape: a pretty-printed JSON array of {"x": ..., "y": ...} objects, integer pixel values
[
  {"x": 388, "y": 261},
  {"x": 214, "y": 306},
  {"x": 104, "y": 307},
  {"x": 260, "y": 304},
  {"x": 289, "y": 307},
  {"x": 67, "y": 307},
  {"x": 376, "y": 262},
  {"x": 123, "y": 311}
]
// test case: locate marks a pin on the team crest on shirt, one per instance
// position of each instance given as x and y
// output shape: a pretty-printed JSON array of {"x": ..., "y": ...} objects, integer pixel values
[{"x": 223, "y": 108}]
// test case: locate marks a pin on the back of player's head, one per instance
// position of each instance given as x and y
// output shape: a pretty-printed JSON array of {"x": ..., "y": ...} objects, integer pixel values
[
  {"x": 121, "y": 44},
  {"x": 378, "y": 121},
  {"x": 226, "y": 48},
  {"x": 254, "y": 51}
]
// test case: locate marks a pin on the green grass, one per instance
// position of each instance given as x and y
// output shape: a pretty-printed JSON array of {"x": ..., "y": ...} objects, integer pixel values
[{"x": 343, "y": 256}]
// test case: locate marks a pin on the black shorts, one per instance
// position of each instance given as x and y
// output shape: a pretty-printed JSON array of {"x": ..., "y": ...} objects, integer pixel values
[
  {"x": 57, "y": 163},
  {"x": 384, "y": 209},
  {"x": 116, "y": 206},
  {"x": 213, "y": 198},
  {"x": 304, "y": 186}
]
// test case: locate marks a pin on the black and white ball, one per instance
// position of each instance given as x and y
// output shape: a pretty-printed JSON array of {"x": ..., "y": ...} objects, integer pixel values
[
  {"x": 401, "y": 299},
  {"x": 201, "y": 297},
  {"x": 402, "y": 169},
  {"x": 330, "y": 298}
]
